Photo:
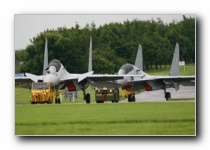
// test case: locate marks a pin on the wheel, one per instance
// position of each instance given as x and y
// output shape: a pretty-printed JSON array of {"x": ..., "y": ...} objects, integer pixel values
[
  {"x": 167, "y": 95},
  {"x": 114, "y": 101},
  {"x": 134, "y": 98},
  {"x": 129, "y": 98},
  {"x": 59, "y": 100},
  {"x": 49, "y": 101},
  {"x": 116, "y": 96},
  {"x": 87, "y": 98}
]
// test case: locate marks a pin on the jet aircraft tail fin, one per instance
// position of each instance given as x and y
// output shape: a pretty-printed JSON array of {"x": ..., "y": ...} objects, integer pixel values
[
  {"x": 45, "y": 58},
  {"x": 90, "y": 57},
  {"x": 175, "y": 62},
  {"x": 139, "y": 58}
]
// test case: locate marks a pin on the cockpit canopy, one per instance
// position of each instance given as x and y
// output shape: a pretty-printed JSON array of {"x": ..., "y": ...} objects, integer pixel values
[
  {"x": 127, "y": 68},
  {"x": 56, "y": 63}
]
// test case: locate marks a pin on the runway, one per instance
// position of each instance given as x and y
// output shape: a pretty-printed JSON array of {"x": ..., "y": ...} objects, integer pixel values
[{"x": 158, "y": 96}]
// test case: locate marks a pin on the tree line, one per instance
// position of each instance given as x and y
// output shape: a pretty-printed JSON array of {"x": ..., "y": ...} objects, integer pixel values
[{"x": 114, "y": 44}]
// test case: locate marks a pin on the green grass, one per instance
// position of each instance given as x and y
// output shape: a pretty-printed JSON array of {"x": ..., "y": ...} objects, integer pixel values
[
  {"x": 188, "y": 71},
  {"x": 22, "y": 95},
  {"x": 176, "y": 99},
  {"x": 158, "y": 118}
]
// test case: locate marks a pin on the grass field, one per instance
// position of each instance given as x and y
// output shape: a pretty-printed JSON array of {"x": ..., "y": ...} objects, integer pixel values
[
  {"x": 158, "y": 118},
  {"x": 187, "y": 71}
]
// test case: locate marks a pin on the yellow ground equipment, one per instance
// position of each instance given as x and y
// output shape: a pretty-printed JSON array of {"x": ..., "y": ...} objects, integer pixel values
[
  {"x": 43, "y": 93},
  {"x": 106, "y": 94}
]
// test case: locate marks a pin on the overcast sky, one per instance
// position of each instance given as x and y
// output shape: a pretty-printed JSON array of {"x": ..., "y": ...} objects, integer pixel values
[{"x": 29, "y": 26}]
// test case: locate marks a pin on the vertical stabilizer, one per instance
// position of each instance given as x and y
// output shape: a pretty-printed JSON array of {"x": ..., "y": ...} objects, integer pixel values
[
  {"x": 175, "y": 62},
  {"x": 139, "y": 58},
  {"x": 45, "y": 57},
  {"x": 90, "y": 56}
]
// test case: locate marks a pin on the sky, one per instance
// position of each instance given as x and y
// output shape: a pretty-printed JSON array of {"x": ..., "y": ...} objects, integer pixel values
[{"x": 28, "y": 26}]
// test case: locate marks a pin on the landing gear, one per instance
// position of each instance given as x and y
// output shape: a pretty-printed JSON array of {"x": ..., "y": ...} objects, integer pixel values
[
  {"x": 57, "y": 100},
  {"x": 49, "y": 101},
  {"x": 167, "y": 95},
  {"x": 116, "y": 96},
  {"x": 86, "y": 96},
  {"x": 131, "y": 98}
]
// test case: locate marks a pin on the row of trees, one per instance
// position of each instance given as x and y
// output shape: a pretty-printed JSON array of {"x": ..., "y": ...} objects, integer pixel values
[{"x": 114, "y": 44}]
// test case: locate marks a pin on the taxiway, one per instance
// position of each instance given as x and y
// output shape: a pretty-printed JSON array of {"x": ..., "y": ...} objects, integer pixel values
[{"x": 158, "y": 96}]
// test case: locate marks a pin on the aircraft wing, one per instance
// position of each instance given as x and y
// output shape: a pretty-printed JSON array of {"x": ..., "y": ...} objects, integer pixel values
[
  {"x": 26, "y": 79},
  {"x": 108, "y": 84},
  {"x": 104, "y": 77},
  {"x": 97, "y": 78},
  {"x": 104, "y": 80},
  {"x": 107, "y": 80},
  {"x": 34, "y": 78},
  {"x": 91, "y": 77},
  {"x": 167, "y": 79}
]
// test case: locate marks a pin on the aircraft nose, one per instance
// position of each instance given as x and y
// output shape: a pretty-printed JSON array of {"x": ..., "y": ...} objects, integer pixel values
[
  {"x": 52, "y": 70},
  {"x": 54, "y": 79}
]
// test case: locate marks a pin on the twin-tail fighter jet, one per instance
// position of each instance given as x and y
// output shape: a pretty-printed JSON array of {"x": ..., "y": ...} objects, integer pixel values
[
  {"x": 143, "y": 81},
  {"x": 151, "y": 83}
]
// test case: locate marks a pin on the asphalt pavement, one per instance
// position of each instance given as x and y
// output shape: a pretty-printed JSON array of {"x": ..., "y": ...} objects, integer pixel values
[{"x": 158, "y": 95}]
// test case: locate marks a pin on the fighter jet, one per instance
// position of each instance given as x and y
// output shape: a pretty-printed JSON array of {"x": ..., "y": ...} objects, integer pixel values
[
  {"x": 60, "y": 78},
  {"x": 137, "y": 79},
  {"x": 151, "y": 83}
]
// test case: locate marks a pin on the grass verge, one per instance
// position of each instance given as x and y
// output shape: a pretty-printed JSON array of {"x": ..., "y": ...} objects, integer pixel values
[{"x": 156, "y": 118}]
